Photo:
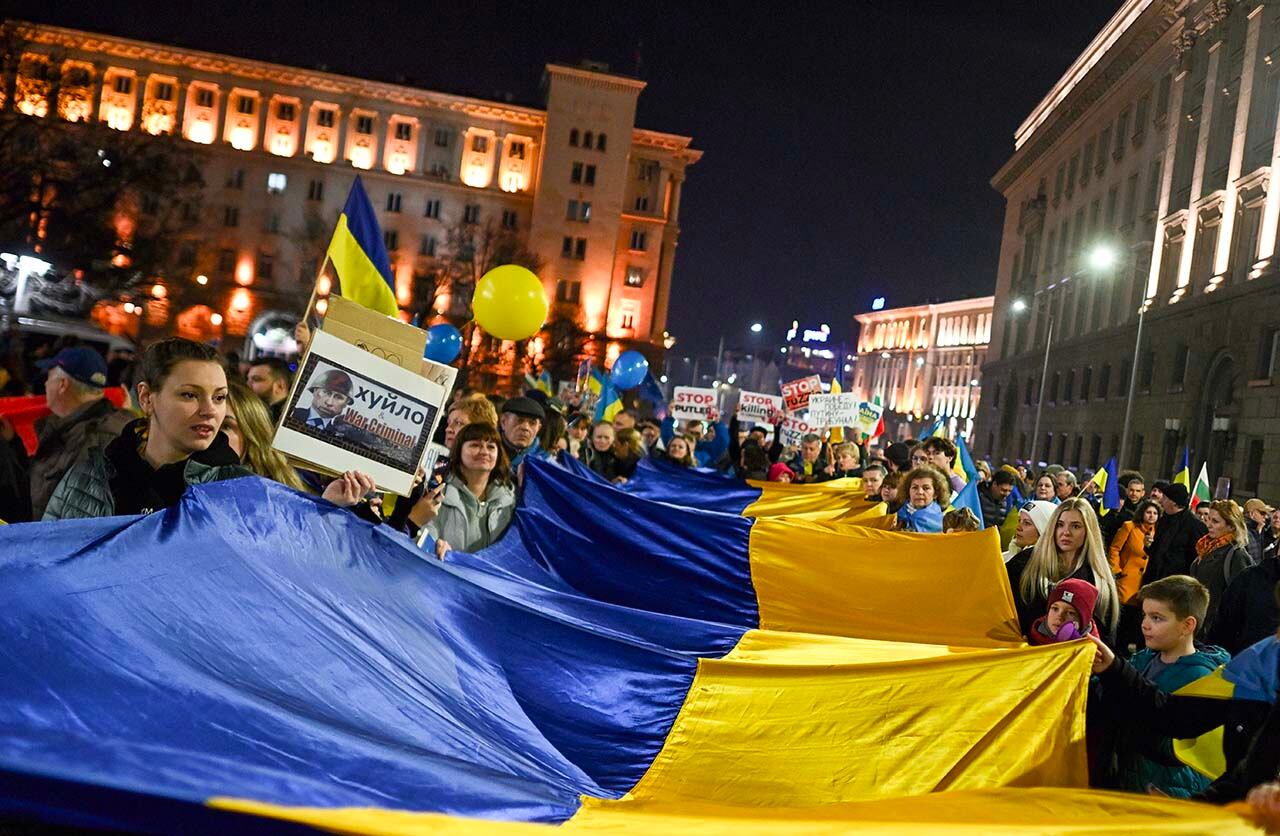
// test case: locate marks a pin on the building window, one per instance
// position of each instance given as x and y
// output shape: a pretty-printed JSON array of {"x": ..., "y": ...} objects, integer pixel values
[
  {"x": 1054, "y": 387},
  {"x": 443, "y": 136},
  {"x": 439, "y": 170},
  {"x": 391, "y": 239},
  {"x": 568, "y": 292},
  {"x": 245, "y": 105},
  {"x": 286, "y": 111},
  {"x": 123, "y": 84},
  {"x": 1136, "y": 461},
  {"x": 516, "y": 150},
  {"x": 587, "y": 139},
  {"x": 204, "y": 97},
  {"x": 589, "y": 176},
  {"x": 432, "y": 210},
  {"x": 273, "y": 223},
  {"x": 509, "y": 219},
  {"x": 164, "y": 92},
  {"x": 276, "y": 182},
  {"x": 600, "y": 142},
  {"x": 393, "y": 201},
  {"x": 1104, "y": 381},
  {"x": 150, "y": 204},
  {"x": 642, "y": 203},
  {"x": 635, "y": 276},
  {"x": 325, "y": 117},
  {"x": 573, "y": 137},
  {"x": 647, "y": 171},
  {"x": 628, "y": 322},
  {"x": 428, "y": 246},
  {"x": 364, "y": 124},
  {"x": 639, "y": 240},
  {"x": 578, "y": 210},
  {"x": 404, "y": 131},
  {"x": 1179, "y": 374},
  {"x": 1268, "y": 346},
  {"x": 1147, "y": 371},
  {"x": 1253, "y": 464},
  {"x": 575, "y": 176},
  {"x": 1069, "y": 386},
  {"x": 235, "y": 179},
  {"x": 580, "y": 249},
  {"x": 266, "y": 266},
  {"x": 480, "y": 144},
  {"x": 315, "y": 190},
  {"x": 226, "y": 260},
  {"x": 471, "y": 214},
  {"x": 1086, "y": 379}
]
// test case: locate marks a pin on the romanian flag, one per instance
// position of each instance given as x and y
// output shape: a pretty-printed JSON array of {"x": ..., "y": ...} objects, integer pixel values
[
  {"x": 1183, "y": 476},
  {"x": 255, "y": 660},
  {"x": 359, "y": 256}
]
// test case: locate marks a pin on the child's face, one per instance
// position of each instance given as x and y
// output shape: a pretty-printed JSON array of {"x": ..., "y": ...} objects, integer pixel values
[
  {"x": 1161, "y": 628},
  {"x": 1060, "y": 612}
]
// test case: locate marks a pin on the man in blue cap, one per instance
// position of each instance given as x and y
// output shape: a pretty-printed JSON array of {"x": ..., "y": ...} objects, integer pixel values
[{"x": 82, "y": 419}]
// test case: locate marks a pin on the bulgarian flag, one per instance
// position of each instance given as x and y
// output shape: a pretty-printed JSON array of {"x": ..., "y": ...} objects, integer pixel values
[{"x": 1200, "y": 493}]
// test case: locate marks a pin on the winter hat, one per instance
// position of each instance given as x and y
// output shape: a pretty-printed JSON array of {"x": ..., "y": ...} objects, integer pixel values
[
  {"x": 777, "y": 469},
  {"x": 1178, "y": 494},
  {"x": 1040, "y": 512},
  {"x": 1080, "y": 594},
  {"x": 899, "y": 454}
]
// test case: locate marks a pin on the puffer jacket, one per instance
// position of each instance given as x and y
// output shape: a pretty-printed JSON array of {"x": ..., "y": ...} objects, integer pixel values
[
  {"x": 1165, "y": 771},
  {"x": 63, "y": 443},
  {"x": 466, "y": 523},
  {"x": 1128, "y": 557},
  {"x": 117, "y": 480}
]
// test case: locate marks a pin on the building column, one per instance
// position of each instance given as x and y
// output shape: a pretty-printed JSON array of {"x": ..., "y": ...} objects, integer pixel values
[
  {"x": 1166, "y": 183},
  {"x": 1222, "y": 257},
  {"x": 1270, "y": 211},
  {"x": 1197, "y": 173}
]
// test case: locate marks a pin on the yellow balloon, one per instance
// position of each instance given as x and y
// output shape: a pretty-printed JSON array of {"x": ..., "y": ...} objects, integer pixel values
[{"x": 510, "y": 303}]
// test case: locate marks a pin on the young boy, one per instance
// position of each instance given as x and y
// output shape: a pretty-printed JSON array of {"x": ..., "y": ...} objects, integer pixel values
[
  {"x": 1172, "y": 610},
  {"x": 1070, "y": 613}
]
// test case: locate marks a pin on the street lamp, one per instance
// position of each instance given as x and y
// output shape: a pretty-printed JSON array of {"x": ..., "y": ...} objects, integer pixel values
[{"x": 756, "y": 327}]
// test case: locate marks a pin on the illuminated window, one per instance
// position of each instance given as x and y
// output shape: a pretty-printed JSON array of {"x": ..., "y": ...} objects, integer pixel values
[
  {"x": 480, "y": 144},
  {"x": 392, "y": 239},
  {"x": 635, "y": 276},
  {"x": 164, "y": 92},
  {"x": 471, "y": 214},
  {"x": 509, "y": 219},
  {"x": 231, "y": 216},
  {"x": 286, "y": 111},
  {"x": 325, "y": 118},
  {"x": 573, "y": 137},
  {"x": 123, "y": 84},
  {"x": 393, "y": 201},
  {"x": 432, "y": 210},
  {"x": 315, "y": 190},
  {"x": 364, "y": 124},
  {"x": 600, "y": 143},
  {"x": 245, "y": 105},
  {"x": 443, "y": 137},
  {"x": 276, "y": 182},
  {"x": 639, "y": 240},
  {"x": 204, "y": 97},
  {"x": 428, "y": 246},
  {"x": 568, "y": 292},
  {"x": 516, "y": 150},
  {"x": 404, "y": 131}
]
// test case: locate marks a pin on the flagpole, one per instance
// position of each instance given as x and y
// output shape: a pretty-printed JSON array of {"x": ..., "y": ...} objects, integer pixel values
[{"x": 315, "y": 290}]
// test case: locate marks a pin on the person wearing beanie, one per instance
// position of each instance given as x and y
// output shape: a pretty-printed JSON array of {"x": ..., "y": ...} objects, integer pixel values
[
  {"x": 779, "y": 472},
  {"x": 1173, "y": 548},
  {"x": 898, "y": 457},
  {"x": 1069, "y": 615},
  {"x": 1033, "y": 517}
]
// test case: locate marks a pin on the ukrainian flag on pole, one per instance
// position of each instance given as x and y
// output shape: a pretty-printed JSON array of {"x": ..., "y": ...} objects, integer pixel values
[
  {"x": 359, "y": 256},
  {"x": 1183, "y": 476}
]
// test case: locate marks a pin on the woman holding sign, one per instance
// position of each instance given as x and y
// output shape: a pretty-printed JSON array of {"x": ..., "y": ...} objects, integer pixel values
[
  {"x": 474, "y": 505},
  {"x": 927, "y": 493}
]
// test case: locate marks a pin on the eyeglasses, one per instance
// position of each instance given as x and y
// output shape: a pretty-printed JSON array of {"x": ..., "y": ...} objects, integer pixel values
[{"x": 919, "y": 459}]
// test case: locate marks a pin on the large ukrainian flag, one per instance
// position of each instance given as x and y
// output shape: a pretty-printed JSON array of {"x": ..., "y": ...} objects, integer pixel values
[
  {"x": 359, "y": 256},
  {"x": 257, "y": 660}
]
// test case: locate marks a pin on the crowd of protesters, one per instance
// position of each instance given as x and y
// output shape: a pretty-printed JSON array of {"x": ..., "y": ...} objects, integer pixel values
[{"x": 1166, "y": 593}]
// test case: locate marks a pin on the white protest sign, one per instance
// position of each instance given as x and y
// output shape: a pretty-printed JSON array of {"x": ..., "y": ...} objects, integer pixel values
[
  {"x": 868, "y": 417},
  {"x": 840, "y": 410},
  {"x": 794, "y": 428},
  {"x": 754, "y": 406},
  {"x": 692, "y": 403}
]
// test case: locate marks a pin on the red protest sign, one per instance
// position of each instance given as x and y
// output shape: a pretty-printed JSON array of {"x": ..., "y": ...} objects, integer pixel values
[{"x": 796, "y": 393}]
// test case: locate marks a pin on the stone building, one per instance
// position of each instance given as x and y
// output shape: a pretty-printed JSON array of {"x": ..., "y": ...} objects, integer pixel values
[
  {"x": 597, "y": 198},
  {"x": 1140, "y": 190},
  {"x": 924, "y": 363}
]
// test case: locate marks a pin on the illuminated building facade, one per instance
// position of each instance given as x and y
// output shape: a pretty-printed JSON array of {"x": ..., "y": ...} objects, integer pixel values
[
  {"x": 924, "y": 363},
  {"x": 597, "y": 197},
  {"x": 1156, "y": 150}
]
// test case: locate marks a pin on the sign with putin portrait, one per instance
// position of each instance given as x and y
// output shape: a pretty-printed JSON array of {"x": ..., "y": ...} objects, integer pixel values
[{"x": 352, "y": 410}]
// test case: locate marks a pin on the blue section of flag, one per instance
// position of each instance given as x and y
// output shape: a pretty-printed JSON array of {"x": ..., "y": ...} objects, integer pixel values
[
  {"x": 1111, "y": 493},
  {"x": 650, "y": 391},
  {"x": 968, "y": 498},
  {"x": 936, "y": 429},
  {"x": 363, "y": 224},
  {"x": 966, "y": 461}
]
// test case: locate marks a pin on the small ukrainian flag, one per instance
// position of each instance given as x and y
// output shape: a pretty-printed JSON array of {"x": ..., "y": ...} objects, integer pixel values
[{"x": 359, "y": 256}]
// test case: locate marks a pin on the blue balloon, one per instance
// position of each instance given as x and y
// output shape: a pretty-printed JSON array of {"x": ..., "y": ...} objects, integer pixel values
[
  {"x": 444, "y": 343},
  {"x": 629, "y": 370}
]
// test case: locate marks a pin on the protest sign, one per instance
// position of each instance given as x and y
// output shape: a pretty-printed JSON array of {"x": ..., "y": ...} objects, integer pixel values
[
  {"x": 839, "y": 410},
  {"x": 754, "y": 406},
  {"x": 794, "y": 428},
  {"x": 868, "y": 417},
  {"x": 584, "y": 375},
  {"x": 692, "y": 403},
  {"x": 380, "y": 335},
  {"x": 352, "y": 410},
  {"x": 796, "y": 393}
]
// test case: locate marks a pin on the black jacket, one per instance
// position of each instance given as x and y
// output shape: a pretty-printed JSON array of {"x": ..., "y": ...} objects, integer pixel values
[
  {"x": 15, "y": 482},
  {"x": 993, "y": 512},
  {"x": 1247, "y": 612},
  {"x": 1029, "y": 611},
  {"x": 1174, "y": 546},
  {"x": 1110, "y": 524},
  {"x": 1216, "y": 570}
]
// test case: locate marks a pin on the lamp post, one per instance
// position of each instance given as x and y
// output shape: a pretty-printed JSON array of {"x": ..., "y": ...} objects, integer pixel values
[{"x": 1133, "y": 379}]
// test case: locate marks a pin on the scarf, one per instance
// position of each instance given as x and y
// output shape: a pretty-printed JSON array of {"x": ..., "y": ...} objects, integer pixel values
[
  {"x": 1207, "y": 545},
  {"x": 927, "y": 519}
]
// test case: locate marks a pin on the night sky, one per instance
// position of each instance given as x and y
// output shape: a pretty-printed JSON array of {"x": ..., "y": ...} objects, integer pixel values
[{"x": 848, "y": 148}]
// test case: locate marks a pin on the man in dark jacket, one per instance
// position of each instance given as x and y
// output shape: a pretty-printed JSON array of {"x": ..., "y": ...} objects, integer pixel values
[
  {"x": 1174, "y": 546},
  {"x": 1248, "y": 612},
  {"x": 993, "y": 496},
  {"x": 82, "y": 419},
  {"x": 1132, "y": 491},
  {"x": 15, "y": 482}
]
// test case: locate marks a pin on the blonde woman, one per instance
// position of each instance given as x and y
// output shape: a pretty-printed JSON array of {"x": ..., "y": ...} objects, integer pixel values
[
  {"x": 1221, "y": 554},
  {"x": 1070, "y": 547}
]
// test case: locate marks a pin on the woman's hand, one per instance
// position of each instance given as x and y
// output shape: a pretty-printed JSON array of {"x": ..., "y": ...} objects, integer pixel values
[
  {"x": 442, "y": 546},
  {"x": 302, "y": 335},
  {"x": 349, "y": 488},
  {"x": 1103, "y": 656},
  {"x": 428, "y": 508}
]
